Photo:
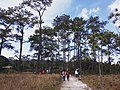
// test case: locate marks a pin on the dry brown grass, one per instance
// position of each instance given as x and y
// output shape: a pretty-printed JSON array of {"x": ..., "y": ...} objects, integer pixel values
[
  {"x": 29, "y": 81},
  {"x": 109, "y": 82}
]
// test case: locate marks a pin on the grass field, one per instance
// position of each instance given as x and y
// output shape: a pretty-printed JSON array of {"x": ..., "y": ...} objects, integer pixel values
[
  {"x": 109, "y": 82},
  {"x": 28, "y": 81}
]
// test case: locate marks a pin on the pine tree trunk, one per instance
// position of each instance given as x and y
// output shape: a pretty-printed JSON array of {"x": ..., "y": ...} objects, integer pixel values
[
  {"x": 1, "y": 46},
  {"x": 40, "y": 44},
  {"x": 20, "y": 55}
]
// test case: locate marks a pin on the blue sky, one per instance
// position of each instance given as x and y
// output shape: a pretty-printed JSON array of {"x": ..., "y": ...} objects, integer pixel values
[{"x": 74, "y": 8}]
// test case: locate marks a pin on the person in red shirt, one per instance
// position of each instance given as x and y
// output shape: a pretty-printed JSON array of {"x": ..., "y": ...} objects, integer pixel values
[
  {"x": 68, "y": 75},
  {"x": 43, "y": 72}
]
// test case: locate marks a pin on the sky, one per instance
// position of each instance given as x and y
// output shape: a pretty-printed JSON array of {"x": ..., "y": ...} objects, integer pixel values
[{"x": 74, "y": 8}]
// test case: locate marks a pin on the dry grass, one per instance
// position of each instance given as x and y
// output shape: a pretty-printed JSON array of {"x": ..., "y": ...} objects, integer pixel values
[
  {"x": 109, "y": 82},
  {"x": 29, "y": 81}
]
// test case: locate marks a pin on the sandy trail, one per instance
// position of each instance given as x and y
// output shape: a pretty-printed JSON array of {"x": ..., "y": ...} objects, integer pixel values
[{"x": 74, "y": 84}]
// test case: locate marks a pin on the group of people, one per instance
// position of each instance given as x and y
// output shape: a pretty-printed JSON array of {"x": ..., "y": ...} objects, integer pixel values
[{"x": 65, "y": 74}]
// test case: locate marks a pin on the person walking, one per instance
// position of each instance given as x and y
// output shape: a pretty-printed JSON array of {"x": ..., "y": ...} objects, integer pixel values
[
  {"x": 68, "y": 75},
  {"x": 63, "y": 75},
  {"x": 76, "y": 73},
  {"x": 79, "y": 75}
]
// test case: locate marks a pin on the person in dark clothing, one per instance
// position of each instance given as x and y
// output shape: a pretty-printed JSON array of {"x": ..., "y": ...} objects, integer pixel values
[
  {"x": 68, "y": 75},
  {"x": 63, "y": 75}
]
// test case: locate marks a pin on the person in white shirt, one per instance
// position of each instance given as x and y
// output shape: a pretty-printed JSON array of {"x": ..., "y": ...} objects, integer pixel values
[{"x": 76, "y": 73}]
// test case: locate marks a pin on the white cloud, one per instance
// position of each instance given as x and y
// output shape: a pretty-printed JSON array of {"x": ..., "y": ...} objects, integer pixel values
[
  {"x": 58, "y": 7},
  {"x": 114, "y": 5},
  {"x": 7, "y": 53},
  {"x": 117, "y": 23},
  {"x": 9, "y": 3},
  {"x": 84, "y": 13},
  {"x": 94, "y": 10}
]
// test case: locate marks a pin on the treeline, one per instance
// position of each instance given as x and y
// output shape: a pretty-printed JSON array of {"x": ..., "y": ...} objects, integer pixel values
[
  {"x": 56, "y": 66},
  {"x": 70, "y": 43}
]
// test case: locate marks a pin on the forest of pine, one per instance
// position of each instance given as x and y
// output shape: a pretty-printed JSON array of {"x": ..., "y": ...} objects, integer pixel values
[{"x": 70, "y": 43}]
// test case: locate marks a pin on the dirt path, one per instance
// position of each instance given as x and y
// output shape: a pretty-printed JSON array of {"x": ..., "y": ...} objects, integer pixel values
[{"x": 74, "y": 84}]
